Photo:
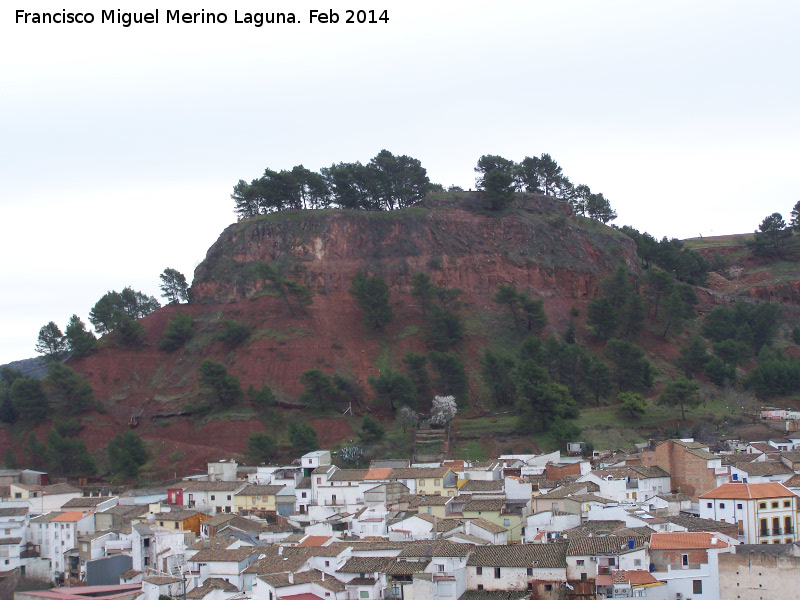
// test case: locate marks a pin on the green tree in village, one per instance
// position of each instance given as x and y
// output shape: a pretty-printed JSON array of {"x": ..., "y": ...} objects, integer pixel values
[
  {"x": 179, "y": 331},
  {"x": 29, "y": 399},
  {"x": 451, "y": 380},
  {"x": 261, "y": 447},
  {"x": 68, "y": 457},
  {"x": 69, "y": 391},
  {"x": 681, "y": 392},
  {"x": 371, "y": 431},
  {"x": 394, "y": 387},
  {"x": 302, "y": 436},
  {"x": 372, "y": 296},
  {"x": 497, "y": 373},
  {"x": 218, "y": 384},
  {"x": 415, "y": 365},
  {"x": 422, "y": 288},
  {"x": 633, "y": 403},
  {"x": 631, "y": 369},
  {"x": 126, "y": 453},
  {"x": 320, "y": 390}
]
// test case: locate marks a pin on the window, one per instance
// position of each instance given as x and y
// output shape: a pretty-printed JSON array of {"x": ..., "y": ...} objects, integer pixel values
[
  {"x": 774, "y": 505},
  {"x": 478, "y": 570},
  {"x": 739, "y": 506},
  {"x": 548, "y": 587},
  {"x": 697, "y": 586},
  {"x": 709, "y": 505},
  {"x": 584, "y": 576},
  {"x": 327, "y": 563},
  {"x": 430, "y": 510},
  {"x": 762, "y": 505},
  {"x": 787, "y": 503},
  {"x": 530, "y": 572},
  {"x": 506, "y": 522},
  {"x": 437, "y": 482},
  {"x": 421, "y": 482},
  {"x": 363, "y": 594},
  {"x": 177, "y": 525},
  {"x": 637, "y": 562},
  {"x": 685, "y": 560},
  {"x": 441, "y": 568},
  {"x": 530, "y": 586},
  {"x": 497, "y": 572},
  {"x": 580, "y": 562},
  {"x": 480, "y": 587},
  {"x": 229, "y": 496},
  {"x": 722, "y": 505},
  {"x": 17, "y": 495},
  {"x": 213, "y": 497},
  {"x": 303, "y": 495}
]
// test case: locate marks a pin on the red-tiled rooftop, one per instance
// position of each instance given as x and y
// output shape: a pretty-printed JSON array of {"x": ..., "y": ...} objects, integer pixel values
[
  {"x": 748, "y": 491},
  {"x": 314, "y": 541},
  {"x": 682, "y": 540}
]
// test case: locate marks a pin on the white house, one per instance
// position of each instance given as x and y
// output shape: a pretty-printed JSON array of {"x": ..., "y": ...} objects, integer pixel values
[
  {"x": 688, "y": 563},
  {"x": 535, "y": 568},
  {"x": 764, "y": 512}
]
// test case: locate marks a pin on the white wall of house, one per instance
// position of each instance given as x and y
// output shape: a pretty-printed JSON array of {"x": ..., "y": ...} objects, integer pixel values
[
  {"x": 681, "y": 581},
  {"x": 510, "y": 578},
  {"x": 547, "y": 521}
]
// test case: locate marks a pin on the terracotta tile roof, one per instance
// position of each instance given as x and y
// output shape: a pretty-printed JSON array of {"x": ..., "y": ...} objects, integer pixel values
[
  {"x": 438, "y": 548},
  {"x": 61, "y": 488},
  {"x": 764, "y": 469},
  {"x": 419, "y": 473},
  {"x": 748, "y": 491},
  {"x": 160, "y": 580},
  {"x": 219, "y": 519},
  {"x": 10, "y": 541},
  {"x": 213, "y": 542},
  {"x": 225, "y": 554},
  {"x": 793, "y": 481},
  {"x": 590, "y": 498},
  {"x": 281, "y": 580},
  {"x": 488, "y": 525},
  {"x": 366, "y": 564},
  {"x": 570, "y": 489},
  {"x": 469, "y": 539},
  {"x": 407, "y": 567},
  {"x": 130, "y": 574},
  {"x": 763, "y": 447},
  {"x": 607, "y": 544},
  {"x": 702, "y": 453},
  {"x": 685, "y": 540},
  {"x": 348, "y": 475},
  {"x": 593, "y": 527},
  {"x": 68, "y": 517},
  {"x": 85, "y": 502},
  {"x": 542, "y": 556},
  {"x": 476, "y": 485},
  {"x": 209, "y": 585},
  {"x": 177, "y": 515},
  {"x": 377, "y": 474},
  {"x": 14, "y": 511},
  {"x": 689, "y": 445},
  {"x": 214, "y": 486},
  {"x": 488, "y": 505},
  {"x": 635, "y": 578},
  {"x": 260, "y": 490},
  {"x": 428, "y": 500},
  {"x": 314, "y": 541},
  {"x": 698, "y": 524},
  {"x": 376, "y": 545},
  {"x": 495, "y": 594}
]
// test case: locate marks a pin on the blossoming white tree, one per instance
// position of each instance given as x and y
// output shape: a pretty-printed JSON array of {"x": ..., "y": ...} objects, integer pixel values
[{"x": 443, "y": 410}]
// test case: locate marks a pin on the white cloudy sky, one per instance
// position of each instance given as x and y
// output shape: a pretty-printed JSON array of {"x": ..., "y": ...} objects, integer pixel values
[{"x": 119, "y": 147}]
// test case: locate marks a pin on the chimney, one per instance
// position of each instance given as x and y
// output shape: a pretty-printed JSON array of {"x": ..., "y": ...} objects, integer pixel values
[
  {"x": 280, "y": 550},
  {"x": 323, "y": 576},
  {"x": 291, "y": 577},
  {"x": 713, "y": 540}
]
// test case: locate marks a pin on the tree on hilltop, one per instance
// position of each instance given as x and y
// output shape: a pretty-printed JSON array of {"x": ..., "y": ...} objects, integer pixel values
[{"x": 174, "y": 286}]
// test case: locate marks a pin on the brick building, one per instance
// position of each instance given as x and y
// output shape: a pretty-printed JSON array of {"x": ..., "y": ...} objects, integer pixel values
[{"x": 694, "y": 470}]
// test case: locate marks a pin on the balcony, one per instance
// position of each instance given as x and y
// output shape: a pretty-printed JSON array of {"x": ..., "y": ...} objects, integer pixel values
[{"x": 777, "y": 531}]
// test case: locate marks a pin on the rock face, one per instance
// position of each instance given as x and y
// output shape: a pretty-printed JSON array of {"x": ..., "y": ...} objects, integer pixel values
[{"x": 538, "y": 245}]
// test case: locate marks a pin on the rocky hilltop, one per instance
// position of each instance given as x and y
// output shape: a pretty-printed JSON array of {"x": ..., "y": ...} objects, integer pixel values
[{"x": 537, "y": 244}]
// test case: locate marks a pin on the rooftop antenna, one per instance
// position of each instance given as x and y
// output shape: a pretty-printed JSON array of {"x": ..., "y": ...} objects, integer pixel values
[{"x": 349, "y": 408}]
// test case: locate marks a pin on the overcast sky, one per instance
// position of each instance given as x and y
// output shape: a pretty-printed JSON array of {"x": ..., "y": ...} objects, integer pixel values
[{"x": 119, "y": 146}]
